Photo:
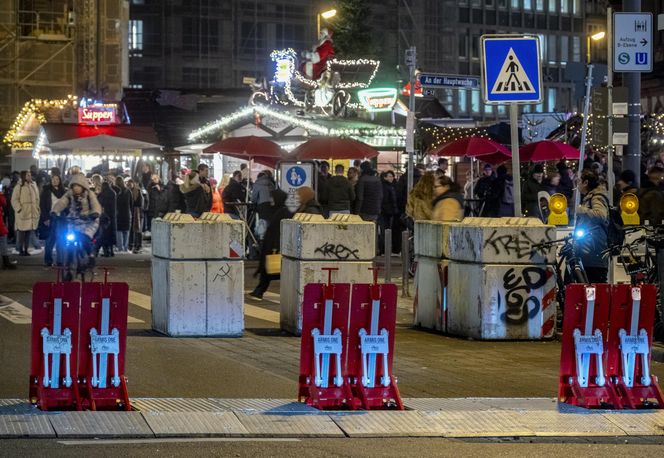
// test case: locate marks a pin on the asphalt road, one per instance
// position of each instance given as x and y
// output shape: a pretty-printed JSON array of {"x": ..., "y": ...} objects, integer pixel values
[
  {"x": 264, "y": 362},
  {"x": 328, "y": 448}
]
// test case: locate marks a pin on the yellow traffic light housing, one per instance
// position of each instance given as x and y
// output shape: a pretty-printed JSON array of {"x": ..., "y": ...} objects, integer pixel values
[
  {"x": 558, "y": 210},
  {"x": 629, "y": 206}
]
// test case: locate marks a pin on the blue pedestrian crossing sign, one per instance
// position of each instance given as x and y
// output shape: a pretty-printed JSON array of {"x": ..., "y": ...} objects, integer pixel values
[{"x": 511, "y": 70}]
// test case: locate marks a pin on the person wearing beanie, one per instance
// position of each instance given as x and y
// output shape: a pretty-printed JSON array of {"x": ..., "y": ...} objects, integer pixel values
[
  {"x": 627, "y": 182},
  {"x": 530, "y": 192}
]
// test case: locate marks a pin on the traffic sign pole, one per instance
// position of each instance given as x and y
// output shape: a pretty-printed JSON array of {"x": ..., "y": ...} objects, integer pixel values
[
  {"x": 609, "y": 80},
  {"x": 516, "y": 167},
  {"x": 512, "y": 75}
]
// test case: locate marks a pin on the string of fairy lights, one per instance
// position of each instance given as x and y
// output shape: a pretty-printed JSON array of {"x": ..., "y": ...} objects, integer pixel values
[
  {"x": 35, "y": 108},
  {"x": 229, "y": 120}
]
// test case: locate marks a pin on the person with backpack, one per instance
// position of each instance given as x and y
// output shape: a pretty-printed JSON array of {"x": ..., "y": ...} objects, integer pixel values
[
  {"x": 593, "y": 219},
  {"x": 502, "y": 193}
]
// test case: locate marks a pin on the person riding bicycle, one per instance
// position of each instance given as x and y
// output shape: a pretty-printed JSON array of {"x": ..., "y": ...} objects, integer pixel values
[
  {"x": 593, "y": 219},
  {"x": 80, "y": 205}
]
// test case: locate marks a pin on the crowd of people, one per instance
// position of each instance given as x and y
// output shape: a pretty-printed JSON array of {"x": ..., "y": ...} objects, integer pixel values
[
  {"x": 123, "y": 207},
  {"x": 114, "y": 212}
]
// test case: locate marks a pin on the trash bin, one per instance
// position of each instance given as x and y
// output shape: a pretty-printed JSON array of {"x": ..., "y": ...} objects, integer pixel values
[
  {"x": 309, "y": 243},
  {"x": 198, "y": 275},
  {"x": 499, "y": 287}
]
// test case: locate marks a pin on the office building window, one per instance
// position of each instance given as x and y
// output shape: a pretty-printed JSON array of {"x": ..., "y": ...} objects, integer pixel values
[
  {"x": 135, "y": 35},
  {"x": 488, "y": 110},
  {"x": 489, "y": 2},
  {"x": 501, "y": 110},
  {"x": 200, "y": 34},
  {"x": 551, "y": 99},
  {"x": 251, "y": 38},
  {"x": 564, "y": 6},
  {"x": 515, "y": 4},
  {"x": 553, "y": 6},
  {"x": 475, "y": 102},
  {"x": 576, "y": 49},
  {"x": 539, "y": 5},
  {"x": 476, "y": 2},
  {"x": 564, "y": 49},
  {"x": 290, "y": 36},
  {"x": 463, "y": 107},
  {"x": 199, "y": 77},
  {"x": 528, "y": 5},
  {"x": 552, "y": 54},
  {"x": 463, "y": 45},
  {"x": 502, "y": 3},
  {"x": 476, "y": 46},
  {"x": 576, "y": 7}
]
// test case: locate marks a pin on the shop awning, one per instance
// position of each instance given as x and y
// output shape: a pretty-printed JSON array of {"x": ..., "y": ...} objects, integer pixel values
[{"x": 99, "y": 138}]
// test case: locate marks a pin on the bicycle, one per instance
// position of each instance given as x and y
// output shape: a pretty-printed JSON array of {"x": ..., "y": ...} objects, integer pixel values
[
  {"x": 75, "y": 258},
  {"x": 574, "y": 270},
  {"x": 645, "y": 268}
]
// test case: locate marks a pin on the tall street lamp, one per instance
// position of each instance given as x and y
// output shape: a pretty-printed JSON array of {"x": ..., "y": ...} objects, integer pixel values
[
  {"x": 594, "y": 37},
  {"x": 325, "y": 15}
]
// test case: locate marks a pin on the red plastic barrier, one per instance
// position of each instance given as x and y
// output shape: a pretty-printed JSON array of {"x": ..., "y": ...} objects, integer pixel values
[
  {"x": 103, "y": 343},
  {"x": 373, "y": 313},
  {"x": 583, "y": 377},
  {"x": 54, "y": 346},
  {"x": 323, "y": 382},
  {"x": 629, "y": 344}
]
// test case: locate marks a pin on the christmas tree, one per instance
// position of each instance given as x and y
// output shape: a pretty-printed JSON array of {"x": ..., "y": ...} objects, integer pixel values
[{"x": 352, "y": 34}]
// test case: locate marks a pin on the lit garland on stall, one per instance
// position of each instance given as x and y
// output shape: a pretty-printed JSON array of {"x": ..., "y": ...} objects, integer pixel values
[
  {"x": 36, "y": 108},
  {"x": 226, "y": 121}
]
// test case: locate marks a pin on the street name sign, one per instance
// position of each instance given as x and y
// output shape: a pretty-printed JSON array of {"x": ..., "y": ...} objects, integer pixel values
[
  {"x": 436, "y": 80},
  {"x": 511, "y": 69},
  {"x": 632, "y": 42}
]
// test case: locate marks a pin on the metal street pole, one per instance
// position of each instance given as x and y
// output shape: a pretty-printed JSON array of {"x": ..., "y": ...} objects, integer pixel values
[
  {"x": 516, "y": 168},
  {"x": 632, "y": 157},
  {"x": 411, "y": 59},
  {"x": 584, "y": 128},
  {"x": 609, "y": 80}
]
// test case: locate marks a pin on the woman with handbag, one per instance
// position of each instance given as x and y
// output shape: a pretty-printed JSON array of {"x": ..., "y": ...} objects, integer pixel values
[{"x": 269, "y": 267}]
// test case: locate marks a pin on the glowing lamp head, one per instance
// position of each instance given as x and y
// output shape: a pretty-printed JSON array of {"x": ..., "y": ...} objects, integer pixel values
[
  {"x": 558, "y": 203},
  {"x": 629, "y": 203},
  {"x": 579, "y": 233},
  {"x": 70, "y": 236}
]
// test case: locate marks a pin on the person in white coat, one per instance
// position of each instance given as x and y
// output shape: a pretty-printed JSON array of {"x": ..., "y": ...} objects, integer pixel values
[{"x": 25, "y": 201}]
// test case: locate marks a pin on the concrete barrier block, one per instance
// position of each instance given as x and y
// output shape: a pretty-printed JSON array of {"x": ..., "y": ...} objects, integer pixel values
[
  {"x": 204, "y": 239},
  {"x": 432, "y": 238},
  {"x": 328, "y": 240},
  {"x": 430, "y": 302},
  {"x": 499, "y": 240},
  {"x": 178, "y": 297},
  {"x": 501, "y": 301},
  {"x": 225, "y": 298},
  {"x": 295, "y": 274}
]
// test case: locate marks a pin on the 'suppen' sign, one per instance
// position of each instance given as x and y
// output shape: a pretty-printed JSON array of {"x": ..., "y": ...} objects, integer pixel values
[{"x": 97, "y": 115}]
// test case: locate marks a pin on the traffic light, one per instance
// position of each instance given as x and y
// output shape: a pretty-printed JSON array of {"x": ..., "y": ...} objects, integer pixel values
[{"x": 558, "y": 210}]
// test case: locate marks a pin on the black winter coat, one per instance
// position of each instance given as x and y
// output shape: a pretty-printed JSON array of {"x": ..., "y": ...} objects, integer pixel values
[
  {"x": 272, "y": 239},
  {"x": 45, "y": 204},
  {"x": 158, "y": 201},
  {"x": 338, "y": 193},
  {"x": 368, "y": 195},
  {"x": 107, "y": 220},
  {"x": 175, "y": 198},
  {"x": 123, "y": 210},
  {"x": 233, "y": 192},
  {"x": 389, "y": 206}
]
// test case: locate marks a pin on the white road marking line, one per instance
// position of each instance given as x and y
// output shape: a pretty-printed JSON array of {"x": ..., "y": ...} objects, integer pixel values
[
  {"x": 14, "y": 312},
  {"x": 142, "y": 300},
  {"x": 261, "y": 313},
  {"x": 18, "y": 313},
  {"x": 98, "y": 442}
]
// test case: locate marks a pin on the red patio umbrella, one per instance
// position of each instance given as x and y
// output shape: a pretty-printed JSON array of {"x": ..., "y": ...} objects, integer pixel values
[
  {"x": 547, "y": 150},
  {"x": 250, "y": 148},
  {"x": 483, "y": 149},
  {"x": 333, "y": 148}
]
